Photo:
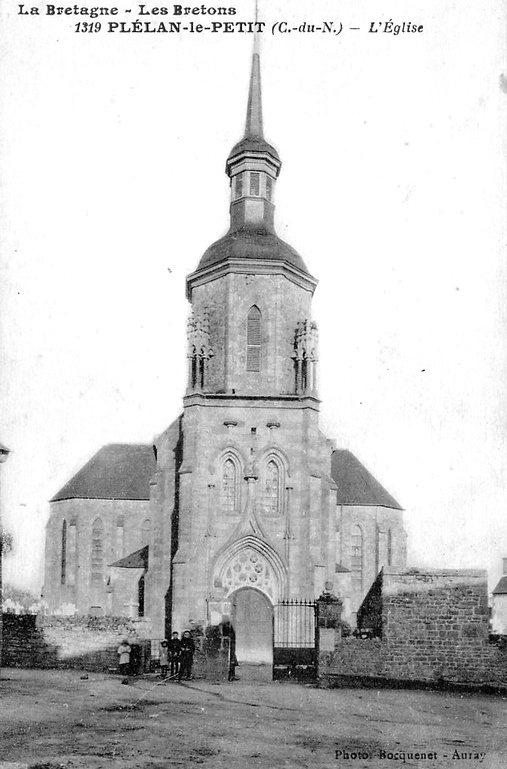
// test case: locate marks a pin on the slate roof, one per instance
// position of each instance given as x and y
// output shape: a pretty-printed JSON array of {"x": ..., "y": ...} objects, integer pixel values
[
  {"x": 250, "y": 243},
  {"x": 117, "y": 471},
  {"x": 501, "y": 588},
  {"x": 137, "y": 560},
  {"x": 356, "y": 485},
  {"x": 253, "y": 144}
]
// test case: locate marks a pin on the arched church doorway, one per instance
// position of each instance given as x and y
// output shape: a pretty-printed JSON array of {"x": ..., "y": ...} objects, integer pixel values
[{"x": 252, "y": 619}]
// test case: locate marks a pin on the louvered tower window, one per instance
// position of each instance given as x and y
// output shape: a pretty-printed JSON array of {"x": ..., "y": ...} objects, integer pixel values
[
  {"x": 253, "y": 340},
  {"x": 269, "y": 187},
  {"x": 239, "y": 186},
  {"x": 255, "y": 183}
]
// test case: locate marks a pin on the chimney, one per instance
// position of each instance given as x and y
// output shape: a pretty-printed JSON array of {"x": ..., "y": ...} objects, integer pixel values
[{"x": 504, "y": 565}]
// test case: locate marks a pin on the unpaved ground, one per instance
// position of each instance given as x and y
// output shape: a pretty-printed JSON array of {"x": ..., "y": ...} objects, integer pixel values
[{"x": 55, "y": 719}]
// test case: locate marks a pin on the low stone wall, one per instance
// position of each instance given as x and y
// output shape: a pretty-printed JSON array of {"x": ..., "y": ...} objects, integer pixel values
[
  {"x": 87, "y": 643},
  {"x": 434, "y": 629}
]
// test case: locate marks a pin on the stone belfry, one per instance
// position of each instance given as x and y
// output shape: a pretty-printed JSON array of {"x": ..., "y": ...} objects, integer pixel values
[{"x": 256, "y": 505}]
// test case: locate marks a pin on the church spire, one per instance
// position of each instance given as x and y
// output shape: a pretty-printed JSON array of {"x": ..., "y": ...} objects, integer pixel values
[
  {"x": 253, "y": 165},
  {"x": 253, "y": 127}
]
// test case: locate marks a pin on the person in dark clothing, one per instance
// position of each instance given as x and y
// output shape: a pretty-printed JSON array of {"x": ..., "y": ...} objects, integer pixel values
[
  {"x": 174, "y": 654},
  {"x": 228, "y": 632},
  {"x": 187, "y": 649}
]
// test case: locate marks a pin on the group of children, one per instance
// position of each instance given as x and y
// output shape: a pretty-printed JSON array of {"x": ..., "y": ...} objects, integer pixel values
[{"x": 178, "y": 655}]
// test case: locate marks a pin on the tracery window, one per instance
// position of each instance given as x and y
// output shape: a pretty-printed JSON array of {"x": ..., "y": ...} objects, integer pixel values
[
  {"x": 356, "y": 559},
  {"x": 253, "y": 340},
  {"x": 273, "y": 496},
  {"x": 230, "y": 486},
  {"x": 249, "y": 569},
  {"x": 97, "y": 560},
  {"x": 63, "y": 564}
]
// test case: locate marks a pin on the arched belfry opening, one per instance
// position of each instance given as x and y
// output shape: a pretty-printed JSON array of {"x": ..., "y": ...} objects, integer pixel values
[{"x": 253, "y": 340}]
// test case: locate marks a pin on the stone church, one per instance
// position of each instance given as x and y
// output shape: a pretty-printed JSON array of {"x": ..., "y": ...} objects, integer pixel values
[{"x": 242, "y": 502}]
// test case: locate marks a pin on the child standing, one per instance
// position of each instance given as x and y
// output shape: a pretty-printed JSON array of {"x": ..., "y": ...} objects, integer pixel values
[
  {"x": 164, "y": 658},
  {"x": 123, "y": 652}
]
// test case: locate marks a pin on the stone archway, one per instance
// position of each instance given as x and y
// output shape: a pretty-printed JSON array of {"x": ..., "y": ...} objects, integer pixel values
[
  {"x": 252, "y": 578},
  {"x": 251, "y": 562}
]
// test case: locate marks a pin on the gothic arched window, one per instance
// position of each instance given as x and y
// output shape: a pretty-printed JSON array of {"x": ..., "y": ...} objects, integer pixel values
[
  {"x": 97, "y": 561},
  {"x": 356, "y": 558},
  {"x": 63, "y": 563},
  {"x": 253, "y": 340},
  {"x": 273, "y": 486},
  {"x": 120, "y": 536},
  {"x": 229, "y": 486},
  {"x": 389, "y": 547}
]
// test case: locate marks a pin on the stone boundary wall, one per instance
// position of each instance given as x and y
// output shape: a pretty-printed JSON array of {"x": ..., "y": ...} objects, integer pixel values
[
  {"x": 435, "y": 630},
  {"x": 87, "y": 643}
]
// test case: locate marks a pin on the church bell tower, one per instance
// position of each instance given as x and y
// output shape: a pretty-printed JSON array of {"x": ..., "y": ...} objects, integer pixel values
[{"x": 255, "y": 495}]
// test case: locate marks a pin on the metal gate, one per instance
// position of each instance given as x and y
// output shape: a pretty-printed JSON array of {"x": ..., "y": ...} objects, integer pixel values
[{"x": 294, "y": 646}]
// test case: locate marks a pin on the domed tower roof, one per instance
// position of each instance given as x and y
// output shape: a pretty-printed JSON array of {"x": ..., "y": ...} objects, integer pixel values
[
  {"x": 253, "y": 166},
  {"x": 247, "y": 243}
]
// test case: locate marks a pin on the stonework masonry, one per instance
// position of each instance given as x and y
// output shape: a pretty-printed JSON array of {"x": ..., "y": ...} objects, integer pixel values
[
  {"x": 126, "y": 527},
  {"x": 433, "y": 627},
  {"x": 86, "y": 643},
  {"x": 242, "y": 504}
]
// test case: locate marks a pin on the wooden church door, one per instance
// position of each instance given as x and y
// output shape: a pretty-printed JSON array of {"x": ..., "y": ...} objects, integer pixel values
[{"x": 252, "y": 618}]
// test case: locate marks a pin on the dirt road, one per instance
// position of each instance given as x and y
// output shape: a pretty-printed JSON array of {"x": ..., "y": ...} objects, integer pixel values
[{"x": 54, "y": 719}]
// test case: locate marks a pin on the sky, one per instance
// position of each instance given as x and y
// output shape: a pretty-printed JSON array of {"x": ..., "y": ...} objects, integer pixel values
[{"x": 393, "y": 189}]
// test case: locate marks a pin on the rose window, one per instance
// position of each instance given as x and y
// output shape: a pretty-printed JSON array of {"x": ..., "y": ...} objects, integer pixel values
[{"x": 249, "y": 568}]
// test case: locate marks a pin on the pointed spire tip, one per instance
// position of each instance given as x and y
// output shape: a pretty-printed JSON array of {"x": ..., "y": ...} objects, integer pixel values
[{"x": 254, "y": 125}]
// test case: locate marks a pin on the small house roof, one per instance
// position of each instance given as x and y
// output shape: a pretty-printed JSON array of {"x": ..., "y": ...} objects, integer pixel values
[{"x": 356, "y": 485}]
